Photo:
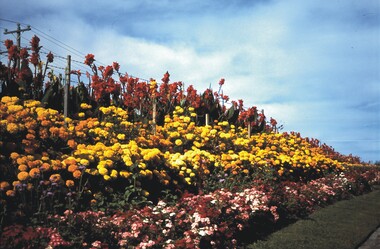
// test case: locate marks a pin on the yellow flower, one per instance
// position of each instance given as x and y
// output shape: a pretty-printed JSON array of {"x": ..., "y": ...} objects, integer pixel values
[
  {"x": 85, "y": 106},
  {"x": 114, "y": 173},
  {"x": 81, "y": 114},
  {"x": 188, "y": 180},
  {"x": 12, "y": 128},
  {"x": 178, "y": 142},
  {"x": 103, "y": 171},
  {"x": 124, "y": 174},
  {"x": 84, "y": 162},
  {"x": 107, "y": 177},
  {"x": 186, "y": 119},
  {"x": 92, "y": 171},
  {"x": 189, "y": 136},
  {"x": 23, "y": 176},
  {"x": 109, "y": 153},
  {"x": 121, "y": 136}
]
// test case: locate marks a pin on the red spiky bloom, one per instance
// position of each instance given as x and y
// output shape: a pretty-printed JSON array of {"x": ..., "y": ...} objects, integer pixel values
[
  {"x": 50, "y": 57},
  {"x": 90, "y": 58},
  {"x": 35, "y": 43}
]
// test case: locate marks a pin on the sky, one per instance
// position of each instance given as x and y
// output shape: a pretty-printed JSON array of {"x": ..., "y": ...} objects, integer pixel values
[{"x": 314, "y": 66}]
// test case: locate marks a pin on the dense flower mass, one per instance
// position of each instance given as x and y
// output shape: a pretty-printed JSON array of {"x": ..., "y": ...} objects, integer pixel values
[
  {"x": 142, "y": 164},
  {"x": 88, "y": 163}
]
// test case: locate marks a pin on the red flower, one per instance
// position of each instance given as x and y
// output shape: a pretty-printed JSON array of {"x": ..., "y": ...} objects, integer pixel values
[
  {"x": 77, "y": 72},
  {"x": 12, "y": 52},
  {"x": 116, "y": 66},
  {"x": 50, "y": 57},
  {"x": 108, "y": 72},
  {"x": 89, "y": 59},
  {"x": 166, "y": 79},
  {"x": 35, "y": 43},
  {"x": 34, "y": 59},
  {"x": 24, "y": 53},
  {"x": 221, "y": 82},
  {"x": 8, "y": 43}
]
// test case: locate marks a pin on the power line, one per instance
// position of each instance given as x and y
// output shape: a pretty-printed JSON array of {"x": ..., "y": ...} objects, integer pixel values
[{"x": 64, "y": 46}]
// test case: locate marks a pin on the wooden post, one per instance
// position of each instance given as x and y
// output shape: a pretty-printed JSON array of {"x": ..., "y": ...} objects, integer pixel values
[
  {"x": 249, "y": 129},
  {"x": 67, "y": 88},
  {"x": 154, "y": 114},
  {"x": 207, "y": 121}
]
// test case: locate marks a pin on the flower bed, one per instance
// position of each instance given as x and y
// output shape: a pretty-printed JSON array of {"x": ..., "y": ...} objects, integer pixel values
[{"x": 137, "y": 165}]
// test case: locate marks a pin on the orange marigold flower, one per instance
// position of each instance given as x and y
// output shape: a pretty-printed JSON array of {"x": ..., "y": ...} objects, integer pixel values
[
  {"x": 4, "y": 185},
  {"x": 12, "y": 128},
  {"x": 69, "y": 183},
  {"x": 56, "y": 164},
  {"x": 34, "y": 173},
  {"x": 23, "y": 176},
  {"x": 14, "y": 155},
  {"x": 21, "y": 160},
  {"x": 29, "y": 186},
  {"x": 55, "y": 178},
  {"x": 72, "y": 168},
  {"x": 77, "y": 174},
  {"x": 15, "y": 183},
  {"x": 23, "y": 167},
  {"x": 45, "y": 167},
  {"x": 10, "y": 193},
  {"x": 45, "y": 123},
  {"x": 30, "y": 136}
]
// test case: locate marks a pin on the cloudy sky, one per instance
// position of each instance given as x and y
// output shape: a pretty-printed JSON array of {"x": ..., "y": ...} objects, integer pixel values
[{"x": 312, "y": 65}]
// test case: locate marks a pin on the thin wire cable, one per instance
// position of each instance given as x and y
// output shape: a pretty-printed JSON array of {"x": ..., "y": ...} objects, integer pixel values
[{"x": 64, "y": 46}]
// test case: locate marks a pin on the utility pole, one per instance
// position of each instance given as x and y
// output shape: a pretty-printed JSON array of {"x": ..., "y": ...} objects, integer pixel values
[{"x": 18, "y": 31}]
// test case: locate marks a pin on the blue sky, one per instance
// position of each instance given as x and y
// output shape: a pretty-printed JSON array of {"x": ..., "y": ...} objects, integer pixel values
[{"x": 312, "y": 65}]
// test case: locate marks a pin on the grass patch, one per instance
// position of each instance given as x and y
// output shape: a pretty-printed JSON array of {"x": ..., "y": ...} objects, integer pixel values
[{"x": 343, "y": 225}]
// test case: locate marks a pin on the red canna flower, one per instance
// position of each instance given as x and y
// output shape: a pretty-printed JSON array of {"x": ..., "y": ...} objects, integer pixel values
[
  {"x": 35, "y": 42},
  {"x": 116, "y": 66},
  {"x": 24, "y": 53},
  {"x": 50, "y": 57},
  {"x": 108, "y": 72},
  {"x": 12, "y": 52},
  {"x": 34, "y": 59},
  {"x": 8, "y": 43},
  {"x": 77, "y": 72},
  {"x": 221, "y": 82},
  {"x": 166, "y": 79},
  {"x": 90, "y": 58}
]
